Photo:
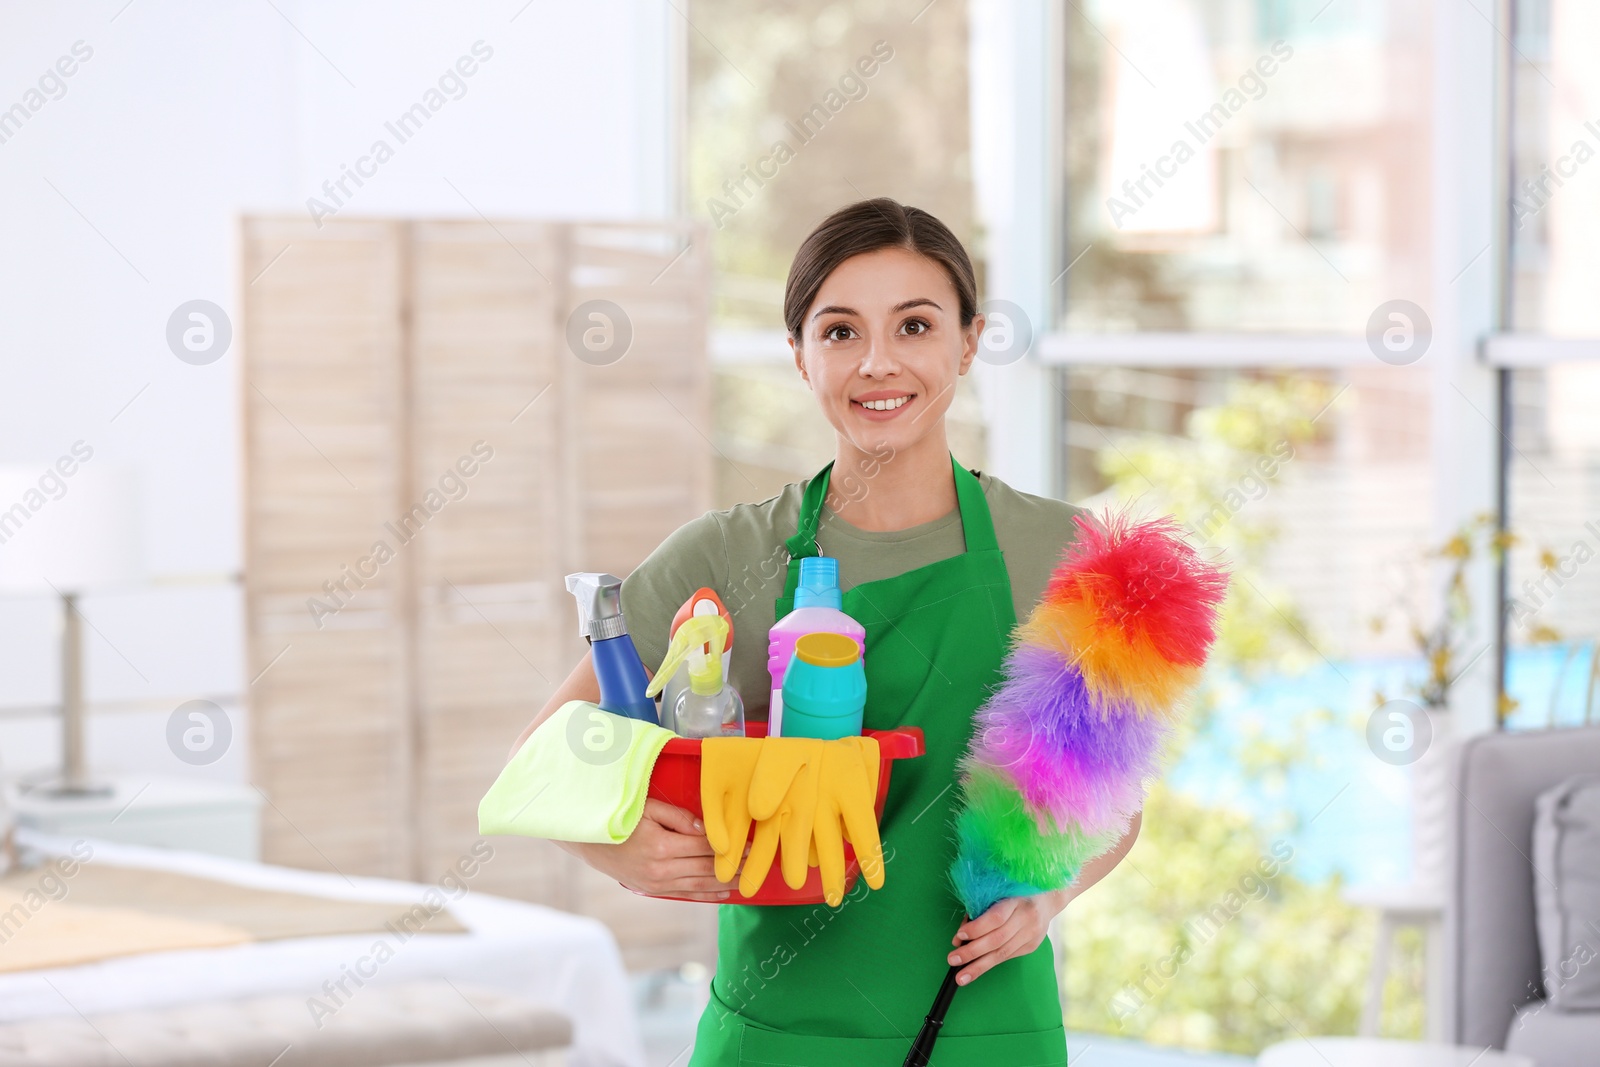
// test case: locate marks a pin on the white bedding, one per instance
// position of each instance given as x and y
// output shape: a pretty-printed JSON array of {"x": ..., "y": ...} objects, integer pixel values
[{"x": 566, "y": 961}]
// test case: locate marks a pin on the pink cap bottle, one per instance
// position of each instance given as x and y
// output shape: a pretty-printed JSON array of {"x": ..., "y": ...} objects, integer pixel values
[{"x": 818, "y": 608}]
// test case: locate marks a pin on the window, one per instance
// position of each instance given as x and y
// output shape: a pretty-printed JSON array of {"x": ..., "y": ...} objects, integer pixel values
[
  {"x": 1244, "y": 164},
  {"x": 1239, "y": 167},
  {"x": 1553, "y": 465},
  {"x": 1314, "y": 486},
  {"x": 1552, "y": 672},
  {"x": 794, "y": 110},
  {"x": 1555, "y": 196}
]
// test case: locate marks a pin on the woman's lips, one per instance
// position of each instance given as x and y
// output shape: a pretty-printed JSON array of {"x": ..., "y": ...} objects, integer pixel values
[{"x": 875, "y": 415}]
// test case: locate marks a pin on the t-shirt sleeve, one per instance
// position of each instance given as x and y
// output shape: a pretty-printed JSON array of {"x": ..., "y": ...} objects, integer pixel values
[
  {"x": 692, "y": 556},
  {"x": 1034, "y": 532}
]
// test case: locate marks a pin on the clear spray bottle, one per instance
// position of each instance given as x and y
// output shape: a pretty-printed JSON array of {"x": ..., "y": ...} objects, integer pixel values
[{"x": 709, "y": 707}]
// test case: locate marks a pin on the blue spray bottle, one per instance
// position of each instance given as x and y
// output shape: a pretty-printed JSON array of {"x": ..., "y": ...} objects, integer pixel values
[{"x": 616, "y": 662}]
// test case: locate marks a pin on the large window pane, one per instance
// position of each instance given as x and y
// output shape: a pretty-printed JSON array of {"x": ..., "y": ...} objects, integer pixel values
[
  {"x": 1551, "y": 668},
  {"x": 1244, "y": 164},
  {"x": 1552, "y": 673},
  {"x": 797, "y": 108},
  {"x": 1315, "y": 488},
  {"x": 1555, "y": 205}
]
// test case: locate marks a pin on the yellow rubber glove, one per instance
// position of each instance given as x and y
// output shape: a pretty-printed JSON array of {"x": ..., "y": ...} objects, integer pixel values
[
  {"x": 763, "y": 849},
  {"x": 727, "y": 765},
  {"x": 846, "y": 796},
  {"x": 871, "y": 758},
  {"x": 874, "y": 767},
  {"x": 783, "y": 801}
]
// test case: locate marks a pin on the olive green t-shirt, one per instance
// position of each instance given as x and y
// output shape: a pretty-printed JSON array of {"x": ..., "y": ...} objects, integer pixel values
[{"x": 740, "y": 553}]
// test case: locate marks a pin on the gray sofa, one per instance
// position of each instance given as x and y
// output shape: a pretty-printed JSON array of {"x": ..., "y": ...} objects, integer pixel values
[{"x": 1495, "y": 989}]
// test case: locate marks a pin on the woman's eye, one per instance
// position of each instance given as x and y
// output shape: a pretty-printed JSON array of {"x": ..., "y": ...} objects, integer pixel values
[
  {"x": 837, "y": 332},
  {"x": 916, "y": 326}
]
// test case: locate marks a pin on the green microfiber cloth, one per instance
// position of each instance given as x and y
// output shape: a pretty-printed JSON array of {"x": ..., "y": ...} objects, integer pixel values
[{"x": 582, "y": 776}]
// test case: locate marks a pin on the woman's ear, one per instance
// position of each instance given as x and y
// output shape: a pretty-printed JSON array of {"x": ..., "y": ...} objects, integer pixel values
[
  {"x": 799, "y": 361},
  {"x": 969, "y": 343}
]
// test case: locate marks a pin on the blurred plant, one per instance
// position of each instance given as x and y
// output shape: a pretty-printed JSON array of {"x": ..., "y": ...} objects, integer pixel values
[
  {"x": 1299, "y": 944},
  {"x": 1443, "y": 639},
  {"x": 1147, "y": 956},
  {"x": 1551, "y": 569}
]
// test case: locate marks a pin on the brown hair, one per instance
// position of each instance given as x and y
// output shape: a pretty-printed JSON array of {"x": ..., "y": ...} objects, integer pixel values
[{"x": 867, "y": 226}]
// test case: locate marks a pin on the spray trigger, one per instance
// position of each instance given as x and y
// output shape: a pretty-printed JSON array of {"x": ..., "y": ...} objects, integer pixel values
[{"x": 689, "y": 645}]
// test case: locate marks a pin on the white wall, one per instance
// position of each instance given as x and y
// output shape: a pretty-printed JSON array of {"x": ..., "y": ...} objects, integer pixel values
[{"x": 120, "y": 203}]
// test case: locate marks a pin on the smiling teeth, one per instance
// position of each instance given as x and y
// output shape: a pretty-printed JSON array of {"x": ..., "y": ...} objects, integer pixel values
[{"x": 884, "y": 405}]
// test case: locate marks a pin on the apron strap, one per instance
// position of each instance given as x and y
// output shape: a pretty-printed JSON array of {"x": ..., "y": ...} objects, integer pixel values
[
  {"x": 804, "y": 541},
  {"x": 977, "y": 527}
]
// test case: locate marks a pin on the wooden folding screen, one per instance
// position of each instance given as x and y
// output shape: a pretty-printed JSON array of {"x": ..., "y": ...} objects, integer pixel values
[{"x": 427, "y": 456}]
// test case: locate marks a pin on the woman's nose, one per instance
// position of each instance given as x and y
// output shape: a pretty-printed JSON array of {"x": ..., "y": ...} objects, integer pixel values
[{"x": 879, "y": 359}]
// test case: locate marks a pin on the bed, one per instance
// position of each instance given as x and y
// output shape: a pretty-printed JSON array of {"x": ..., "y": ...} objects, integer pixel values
[{"x": 501, "y": 947}]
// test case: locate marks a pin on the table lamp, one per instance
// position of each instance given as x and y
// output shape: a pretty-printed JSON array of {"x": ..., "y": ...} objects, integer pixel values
[{"x": 67, "y": 534}]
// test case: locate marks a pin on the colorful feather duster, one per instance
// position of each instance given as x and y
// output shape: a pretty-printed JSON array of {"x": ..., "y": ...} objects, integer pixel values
[{"x": 1093, "y": 685}]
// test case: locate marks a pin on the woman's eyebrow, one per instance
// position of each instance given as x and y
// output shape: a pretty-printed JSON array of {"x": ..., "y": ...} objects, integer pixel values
[{"x": 833, "y": 309}]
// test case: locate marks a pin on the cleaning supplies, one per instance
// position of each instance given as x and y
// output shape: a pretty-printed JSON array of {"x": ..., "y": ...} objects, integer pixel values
[
  {"x": 825, "y": 688},
  {"x": 783, "y": 802},
  {"x": 727, "y": 766},
  {"x": 846, "y": 794},
  {"x": 617, "y": 665},
  {"x": 1096, "y": 680},
  {"x": 703, "y": 601},
  {"x": 806, "y": 797},
  {"x": 709, "y": 707},
  {"x": 818, "y": 608},
  {"x": 582, "y": 776}
]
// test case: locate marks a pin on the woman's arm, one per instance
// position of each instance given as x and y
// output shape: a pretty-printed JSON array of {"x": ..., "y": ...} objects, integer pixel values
[
  {"x": 1102, "y": 864},
  {"x": 581, "y": 684},
  {"x": 1018, "y": 925},
  {"x": 667, "y": 853}
]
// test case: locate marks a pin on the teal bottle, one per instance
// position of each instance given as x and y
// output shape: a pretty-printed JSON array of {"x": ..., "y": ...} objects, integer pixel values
[{"x": 824, "y": 688}]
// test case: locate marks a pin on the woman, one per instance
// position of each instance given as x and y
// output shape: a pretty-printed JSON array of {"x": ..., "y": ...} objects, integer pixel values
[{"x": 938, "y": 563}]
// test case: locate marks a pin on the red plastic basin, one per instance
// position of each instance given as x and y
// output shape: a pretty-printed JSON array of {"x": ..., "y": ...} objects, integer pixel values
[{"x": 676, "y": 780}]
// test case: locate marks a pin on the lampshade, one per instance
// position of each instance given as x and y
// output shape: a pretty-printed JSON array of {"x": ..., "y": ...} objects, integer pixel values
[{"x": 69, "y": 533}]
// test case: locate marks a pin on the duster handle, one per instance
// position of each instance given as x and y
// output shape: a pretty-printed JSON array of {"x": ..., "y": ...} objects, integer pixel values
[{"x": 922, "y": 1048}]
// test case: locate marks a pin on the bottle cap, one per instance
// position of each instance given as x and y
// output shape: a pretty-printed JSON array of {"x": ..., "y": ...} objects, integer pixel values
[
  {"x": 827, "y": 650},
  {"x": 819, "y": 584},
  {"x": 704, "y": 601}
]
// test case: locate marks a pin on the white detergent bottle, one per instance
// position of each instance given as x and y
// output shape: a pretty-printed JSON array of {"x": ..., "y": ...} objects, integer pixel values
[{"x": 818, "y": 608}]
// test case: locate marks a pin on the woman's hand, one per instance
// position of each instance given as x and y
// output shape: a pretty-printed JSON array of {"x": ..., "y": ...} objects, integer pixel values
[
  {"x": 1018, "y": 925},
  {"x": 666, "y": 855},
  {"x": 1011, "y": 927}
]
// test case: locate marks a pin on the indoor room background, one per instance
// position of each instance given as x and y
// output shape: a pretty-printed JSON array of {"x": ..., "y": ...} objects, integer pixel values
[{"x": 498, "y": 286}]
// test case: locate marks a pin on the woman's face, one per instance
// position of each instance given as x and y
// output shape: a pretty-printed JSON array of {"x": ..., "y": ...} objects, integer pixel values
[{"x": 883, "y": 346}]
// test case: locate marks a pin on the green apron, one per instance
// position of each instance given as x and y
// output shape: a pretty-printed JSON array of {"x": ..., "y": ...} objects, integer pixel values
[{"x": 814, "y": 986}]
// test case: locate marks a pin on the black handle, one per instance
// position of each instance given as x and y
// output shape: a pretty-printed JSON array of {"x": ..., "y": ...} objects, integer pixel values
[{"x": 922, "y": 1048}]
